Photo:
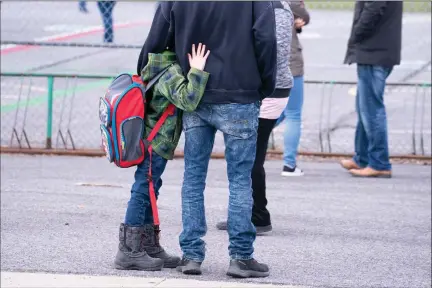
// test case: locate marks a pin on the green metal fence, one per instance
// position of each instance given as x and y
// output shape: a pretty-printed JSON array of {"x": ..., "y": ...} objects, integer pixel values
[{"x": 60, "y": 111}]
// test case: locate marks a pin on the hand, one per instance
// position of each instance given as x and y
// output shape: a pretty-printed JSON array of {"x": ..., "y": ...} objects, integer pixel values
[
  {"x": 198, "y": 59},
  {"x": 299, "y": 23}
]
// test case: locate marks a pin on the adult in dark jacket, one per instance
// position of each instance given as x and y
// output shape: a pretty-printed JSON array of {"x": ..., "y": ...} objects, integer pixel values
[
  {"x": 375, "y": 45},
  {"x": 242, "y": 66}
]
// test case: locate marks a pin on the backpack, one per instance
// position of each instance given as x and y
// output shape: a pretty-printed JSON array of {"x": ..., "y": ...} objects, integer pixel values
[{"x": 122, "y": 112}]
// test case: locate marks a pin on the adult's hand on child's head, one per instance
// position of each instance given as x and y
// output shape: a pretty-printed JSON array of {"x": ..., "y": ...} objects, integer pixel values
[{"x": 199, "y": 57}]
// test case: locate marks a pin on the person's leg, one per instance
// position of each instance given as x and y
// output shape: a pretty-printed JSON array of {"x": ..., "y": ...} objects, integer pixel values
[
  {"x": 280, "y": 119},
  {"x": 199, "y": 140},
  {"x": 293, "y": 114},
  {"x": 260, "y": 214},
  {"x": 151, "y": 240},
  {"x": 373, "y": 114},
  {"x": 131, "y": 254},
  {"x": 361, "y": 141},
  {"x": 239, "y": 124},
  {"x": 83, "y": 6},
  {"x": 139, "y": 212},
  {"x": 106, "y": 8}
]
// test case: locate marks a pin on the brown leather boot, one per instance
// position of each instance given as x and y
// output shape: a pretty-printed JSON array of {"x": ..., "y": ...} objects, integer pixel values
[
  {"x": 349, "y": 164},
  {"x": 371, "y": 173},
  {"x": 153, "y": 248}
]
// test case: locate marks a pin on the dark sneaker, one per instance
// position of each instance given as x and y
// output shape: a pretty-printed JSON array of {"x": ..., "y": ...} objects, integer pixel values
[
  {"x": 260, "y": 230},
  {"x": 223, "y": 225},
  {"x": 189, "y": 267},
  {"x": 151, "y": 245},
  {"x": 247, "y": 269},
  {"x": 288, "y": 171}
]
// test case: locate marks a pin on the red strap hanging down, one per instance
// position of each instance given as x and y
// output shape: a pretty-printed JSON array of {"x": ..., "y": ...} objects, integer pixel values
[{"x": 168, "y": 111}]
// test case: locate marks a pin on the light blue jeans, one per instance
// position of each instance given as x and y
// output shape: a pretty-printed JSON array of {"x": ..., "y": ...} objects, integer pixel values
[
  {"x": 292, "y": 117},
  {"x": 239, "y": 124}
]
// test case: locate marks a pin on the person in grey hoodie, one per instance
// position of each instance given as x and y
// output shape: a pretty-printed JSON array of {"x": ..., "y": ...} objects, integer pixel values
[{"x": 270, "y": 110}]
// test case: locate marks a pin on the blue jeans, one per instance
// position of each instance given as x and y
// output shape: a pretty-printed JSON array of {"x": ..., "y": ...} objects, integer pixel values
[
  {"x": 106, "y": 8},
  {"x": 239, "y": 124},
  {"x": 371, "y": 144},
  {"x": 83, "y": 6},
  {"x": 292, "y": 116},
  {"x": 139, "y": 210}
]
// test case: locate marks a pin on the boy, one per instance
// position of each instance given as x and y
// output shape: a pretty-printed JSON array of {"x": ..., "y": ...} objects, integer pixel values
[{"x": 139, "y": 247}]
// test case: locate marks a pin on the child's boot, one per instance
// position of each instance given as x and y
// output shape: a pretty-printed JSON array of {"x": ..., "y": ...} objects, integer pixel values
[
  {"x": 153, "y": 248},
  {"x": 131, "y": 255}
]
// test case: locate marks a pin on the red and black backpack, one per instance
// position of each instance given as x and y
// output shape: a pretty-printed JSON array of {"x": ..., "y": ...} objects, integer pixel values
[{"x": 122, "y": 112}]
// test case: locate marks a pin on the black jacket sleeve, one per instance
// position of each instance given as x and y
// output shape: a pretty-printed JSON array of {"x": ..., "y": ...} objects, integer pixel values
[
  {"x": 157, "y": 38},
  {"x": 369, "y": 17},
  {"x": 264, "y": 31}
]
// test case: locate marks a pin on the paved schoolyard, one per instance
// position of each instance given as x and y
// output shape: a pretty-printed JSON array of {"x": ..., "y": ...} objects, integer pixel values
[
  {"x": 330, "y": 230},
  {"x": 324, "y": 43}
]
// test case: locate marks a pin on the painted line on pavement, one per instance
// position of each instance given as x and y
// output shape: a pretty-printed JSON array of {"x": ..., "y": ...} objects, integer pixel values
[{"x": 6, "y": 49}]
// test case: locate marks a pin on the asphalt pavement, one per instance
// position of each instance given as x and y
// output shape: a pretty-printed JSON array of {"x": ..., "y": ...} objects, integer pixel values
[
  {"x": 326, "y": 108},
  {"x": 61, "y": 215}
]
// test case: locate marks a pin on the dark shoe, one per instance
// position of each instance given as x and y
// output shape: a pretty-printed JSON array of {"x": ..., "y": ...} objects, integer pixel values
[
  {"x": 223, "y": 225},
  {"x": 247, "y": 269},
  {"x": 260, "y": 230},
  {"x": 131, "y": 255},
  {"x": 189, "y": 267},
  {"x": 153, "y": 248}
]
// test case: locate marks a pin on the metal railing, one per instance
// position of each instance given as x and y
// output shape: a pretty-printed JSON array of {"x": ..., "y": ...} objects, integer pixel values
[{"x": 60, "y": 111}]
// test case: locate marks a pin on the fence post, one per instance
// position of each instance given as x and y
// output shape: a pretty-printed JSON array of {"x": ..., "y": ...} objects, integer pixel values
[{"x": 48, "y": 144}]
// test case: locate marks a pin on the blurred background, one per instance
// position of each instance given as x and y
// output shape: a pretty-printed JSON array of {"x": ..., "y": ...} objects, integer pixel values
[{"x": 58, "y": 58}]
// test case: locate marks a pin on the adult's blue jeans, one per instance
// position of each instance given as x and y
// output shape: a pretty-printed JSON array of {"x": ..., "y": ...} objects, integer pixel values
[
  {"x": 239, "y": 124},
  {"x": 371, "y": 139},
  {"x": 139, "y": 212},
  {"x": 292, "y": 117}
]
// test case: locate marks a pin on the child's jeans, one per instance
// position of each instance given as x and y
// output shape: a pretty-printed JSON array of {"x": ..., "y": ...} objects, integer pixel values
[{"x": 139, "y": 210}]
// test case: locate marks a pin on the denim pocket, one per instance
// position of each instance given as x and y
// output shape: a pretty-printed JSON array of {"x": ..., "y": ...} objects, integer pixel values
[{"x": 240, "y": 120}]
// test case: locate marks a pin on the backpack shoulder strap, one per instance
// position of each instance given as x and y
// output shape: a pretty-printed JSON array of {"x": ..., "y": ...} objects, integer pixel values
[
  {"x": 156, "y": 78},
  {"x": 168, "y": 112}
]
